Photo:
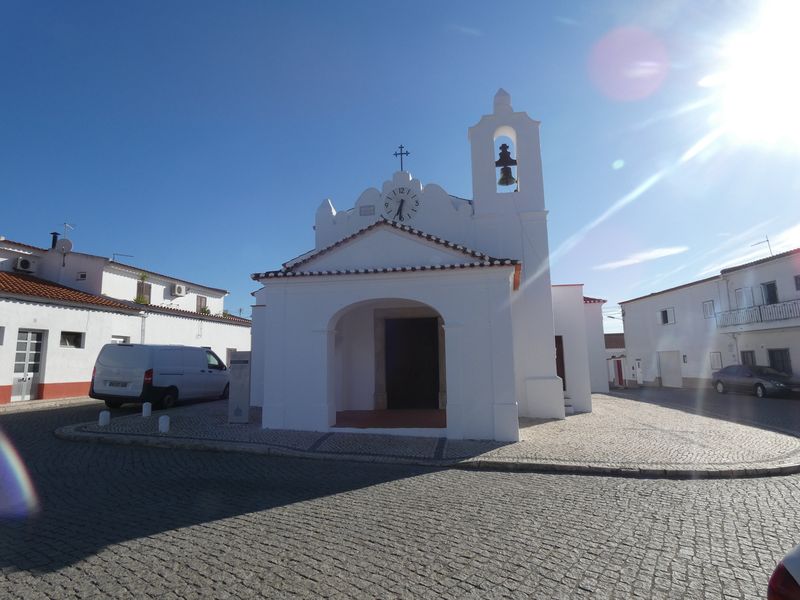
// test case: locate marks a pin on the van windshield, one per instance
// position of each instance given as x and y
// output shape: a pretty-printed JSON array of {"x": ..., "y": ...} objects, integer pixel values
[{"x": 119, "y": 355}]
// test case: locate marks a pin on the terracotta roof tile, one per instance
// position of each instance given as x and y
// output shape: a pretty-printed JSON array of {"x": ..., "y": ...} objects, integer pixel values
[
  {"x": 18, "y": 284},
  {"x": 588, "y": 300},
  {"x": 492, "y": 262}
]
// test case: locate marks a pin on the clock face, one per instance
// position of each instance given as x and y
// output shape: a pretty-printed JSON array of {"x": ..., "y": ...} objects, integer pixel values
[{"x": 401, "y": 204}]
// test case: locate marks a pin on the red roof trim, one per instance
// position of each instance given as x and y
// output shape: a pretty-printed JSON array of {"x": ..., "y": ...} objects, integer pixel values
[
  {"x": 494, "y": 262},
  {"x": 288, "y": 266}
]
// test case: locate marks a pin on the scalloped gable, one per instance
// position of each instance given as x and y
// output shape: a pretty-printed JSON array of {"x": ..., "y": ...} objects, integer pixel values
[{"x": 383, "y": 248}]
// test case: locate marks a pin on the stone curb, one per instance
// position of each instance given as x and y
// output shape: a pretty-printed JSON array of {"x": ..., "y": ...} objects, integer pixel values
[
  {"x": 27, "y": 406},
  {"x": 73, "y": 433}
]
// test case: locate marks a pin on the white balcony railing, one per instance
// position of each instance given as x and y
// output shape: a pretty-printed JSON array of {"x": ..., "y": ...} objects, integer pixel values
[{"x": 760, "y": 314}]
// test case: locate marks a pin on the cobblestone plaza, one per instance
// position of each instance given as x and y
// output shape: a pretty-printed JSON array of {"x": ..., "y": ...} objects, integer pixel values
[{"x": 138, "y": 522}]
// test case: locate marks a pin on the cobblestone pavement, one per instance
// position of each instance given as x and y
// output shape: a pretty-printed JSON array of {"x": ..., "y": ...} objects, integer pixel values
[
  {"x": 137, "y": 522},
  {"x": 620, "y": 436}
]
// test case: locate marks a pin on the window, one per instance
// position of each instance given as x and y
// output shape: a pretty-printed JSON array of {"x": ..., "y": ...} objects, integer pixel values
[
  {"x": 744, "y": 297},
  {"x": 749, "y": 357},
  {"x": 770, "y": 292},
  {"x": 81, "y": 276},
  {"x": 797, "y": 282},
  {"x": 143, "y": 292},
  {"x": 71, "y": 339},
  {"x": 780, "y": 361},
  {"x": 708, "y": 309},
  {"x": 716, "y": 361},
  {"x": 120, "y": 339},
  {"x": 2, "y": 334},
  {"x": 214, "y": 362},
  {"x": 666, "y": 316},
  {"x": 202, "y": 304}
]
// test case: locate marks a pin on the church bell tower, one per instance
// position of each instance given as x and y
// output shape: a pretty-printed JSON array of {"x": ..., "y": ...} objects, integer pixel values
[{"x": 492, "y": 163}]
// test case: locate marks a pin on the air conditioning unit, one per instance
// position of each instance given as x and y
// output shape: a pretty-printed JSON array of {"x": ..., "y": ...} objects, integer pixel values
[
  {"x": 179, "y": 289},
  {"x": 25, "y": 264}
]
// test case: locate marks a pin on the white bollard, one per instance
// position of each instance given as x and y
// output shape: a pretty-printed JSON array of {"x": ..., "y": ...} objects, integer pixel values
[
  {"x": 147, "y": 409},
  {"x": 105, "y": 418},
  {"x": 163, "y": 424}
]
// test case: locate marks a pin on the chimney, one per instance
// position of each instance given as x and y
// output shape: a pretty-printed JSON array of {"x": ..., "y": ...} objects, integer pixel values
[{"x": 55, "y": 235}]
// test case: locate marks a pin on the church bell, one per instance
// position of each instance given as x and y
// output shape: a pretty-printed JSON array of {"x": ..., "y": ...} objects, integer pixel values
[{"x": 505, "y": 162}]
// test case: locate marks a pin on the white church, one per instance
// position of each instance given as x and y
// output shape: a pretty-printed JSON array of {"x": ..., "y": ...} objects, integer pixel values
[{"x": 421, "y": 313}]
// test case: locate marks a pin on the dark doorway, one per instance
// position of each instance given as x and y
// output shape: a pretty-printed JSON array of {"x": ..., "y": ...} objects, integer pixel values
[
  {"x": 779, "y": 360},
  {"x": 560, "y": 361},
  {"x": 412, "y": 363}
]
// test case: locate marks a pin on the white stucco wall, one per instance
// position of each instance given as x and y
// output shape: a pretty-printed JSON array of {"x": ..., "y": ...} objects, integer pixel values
[
  {"x": 74, "y": 365},
  {"x": 300, "y": 336},
  {"x": 120, "y": 282},
  {"x": 570, "y": 324},
  {"x": 595, "y": 343}
]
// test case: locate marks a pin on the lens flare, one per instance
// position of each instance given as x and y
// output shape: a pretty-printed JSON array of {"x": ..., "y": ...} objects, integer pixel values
[
  {"x": 18, "y": 498},
  {"x": 757, "y": 87},
  {"x": 628, "y": 64}
]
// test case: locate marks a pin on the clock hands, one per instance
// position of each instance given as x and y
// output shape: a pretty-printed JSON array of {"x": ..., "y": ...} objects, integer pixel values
[{"x": 399, "y": 213}]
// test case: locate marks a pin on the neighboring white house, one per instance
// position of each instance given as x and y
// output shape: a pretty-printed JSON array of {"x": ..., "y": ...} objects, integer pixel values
[
  {"x": 57, "y": 309},
  {"x": 748, "y": 314},
  {"x": 421, "y": 312}
]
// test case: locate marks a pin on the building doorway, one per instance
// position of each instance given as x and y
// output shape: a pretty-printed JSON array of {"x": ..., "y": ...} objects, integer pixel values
[
  {"x": 412, "y": 364},
  {"x": 560, "y": 362},
  {"x": 27, "y": 364}
]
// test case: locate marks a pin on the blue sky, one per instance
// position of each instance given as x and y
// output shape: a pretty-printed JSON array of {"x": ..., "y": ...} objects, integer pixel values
[{"x": 200, "y": 137}]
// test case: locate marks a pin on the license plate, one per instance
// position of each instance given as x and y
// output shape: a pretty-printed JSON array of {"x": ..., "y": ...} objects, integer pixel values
[{"x": 119, "y": 384}]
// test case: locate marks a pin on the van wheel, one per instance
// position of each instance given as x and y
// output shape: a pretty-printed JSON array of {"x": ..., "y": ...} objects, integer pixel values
[
  {"x": 225, "y": 392},
  {"x": 113, "y": 403},
  {"x": 169, "y": 398}
]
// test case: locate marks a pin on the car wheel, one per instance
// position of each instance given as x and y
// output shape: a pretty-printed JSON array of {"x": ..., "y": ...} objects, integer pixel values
[
  {"x": 760, "y": 391},
  {"x": 169, "y": 398},
  {"x": 720, "y": 387},
  {"x": 113, "y": 403},
  {"x": 225, "y": 392}
]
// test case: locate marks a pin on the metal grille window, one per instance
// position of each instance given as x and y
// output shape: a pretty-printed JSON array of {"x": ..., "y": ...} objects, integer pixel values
[
  {"x": 779, "y": 360},
  {"x": 749, "y": 358}
]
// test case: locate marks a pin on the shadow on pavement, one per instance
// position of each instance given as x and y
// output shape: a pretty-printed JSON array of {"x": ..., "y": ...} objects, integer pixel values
[
  {"x": 769, "y": 413},
  {"x": 95, "y": 495}
]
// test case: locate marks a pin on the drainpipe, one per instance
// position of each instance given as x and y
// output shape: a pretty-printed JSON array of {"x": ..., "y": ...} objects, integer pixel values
[{"x": 142, "y": 314}]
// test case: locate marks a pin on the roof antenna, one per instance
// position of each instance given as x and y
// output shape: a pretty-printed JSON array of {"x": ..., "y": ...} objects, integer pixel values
[{"x": 765, "y": 241}]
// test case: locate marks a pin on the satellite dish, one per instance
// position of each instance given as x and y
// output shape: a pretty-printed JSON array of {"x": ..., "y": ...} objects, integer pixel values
[{"x": 63, "y": 245}]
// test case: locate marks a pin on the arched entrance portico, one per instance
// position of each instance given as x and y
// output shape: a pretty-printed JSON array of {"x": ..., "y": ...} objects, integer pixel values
[{"x": 387, "y": 366}]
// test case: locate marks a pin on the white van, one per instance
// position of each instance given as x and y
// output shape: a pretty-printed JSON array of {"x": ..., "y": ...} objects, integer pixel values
[{"x": 158, "y": 374}]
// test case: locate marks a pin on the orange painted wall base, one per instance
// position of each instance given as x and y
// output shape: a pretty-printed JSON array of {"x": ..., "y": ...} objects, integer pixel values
[
  {"x": 5, "y": 394},
  {"x": 52, "y": 391}
]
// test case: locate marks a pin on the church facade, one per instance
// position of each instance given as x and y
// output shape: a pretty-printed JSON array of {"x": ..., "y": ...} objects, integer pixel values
[{"x": 421, "y": 313}]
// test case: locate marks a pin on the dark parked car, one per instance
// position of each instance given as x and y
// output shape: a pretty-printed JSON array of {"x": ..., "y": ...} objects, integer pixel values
[
  {"x": 783, "y": 583},
  {"x": 761, "y": 381}
]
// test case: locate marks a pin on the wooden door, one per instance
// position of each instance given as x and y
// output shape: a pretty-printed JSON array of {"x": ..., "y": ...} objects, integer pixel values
[{"x": 412, "y": 363}]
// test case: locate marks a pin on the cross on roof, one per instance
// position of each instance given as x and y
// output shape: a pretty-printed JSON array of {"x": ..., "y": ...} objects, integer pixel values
[{"x": 401, "y": 154}]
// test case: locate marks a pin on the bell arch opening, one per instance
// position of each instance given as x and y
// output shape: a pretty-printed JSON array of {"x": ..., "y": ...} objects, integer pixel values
[
  {"x": 505, "y": 152},
  {"x": 387, "y": 365}
]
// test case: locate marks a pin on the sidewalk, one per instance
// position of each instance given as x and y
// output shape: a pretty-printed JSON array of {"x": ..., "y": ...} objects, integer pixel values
[{"x": 622, "y": 437}]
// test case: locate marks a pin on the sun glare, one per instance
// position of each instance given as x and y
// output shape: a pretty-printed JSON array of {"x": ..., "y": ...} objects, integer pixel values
[{"x": 759, "y": 85}]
